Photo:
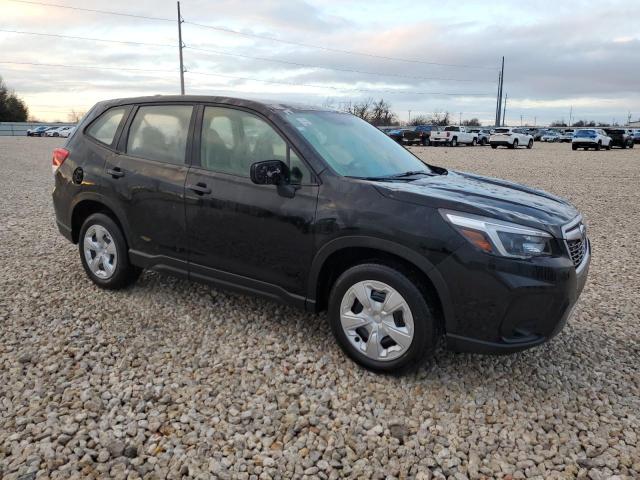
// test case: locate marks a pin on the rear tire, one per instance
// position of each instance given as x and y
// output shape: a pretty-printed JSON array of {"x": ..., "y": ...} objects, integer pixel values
[
  {"x": 454, "y": 142},
  {"x": 474, "y": 142},
  {"x": 599, "y": 146},
  {"x": 371, "y": 344},
  {"x": 102, "y": 243},
  {"x": 483, "y": 142},
  {"x": 574, "y": 147},
  {"x": 530, "y": 144},
  {"x": 514, "y": 144}
]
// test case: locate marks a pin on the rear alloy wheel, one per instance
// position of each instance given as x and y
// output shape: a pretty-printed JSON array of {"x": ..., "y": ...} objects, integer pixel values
[
  {"x": 483, "y": 142},
  {"x": 530, "y": 144},
  {"x": 454, "y": 142},
  {"x": 381, "y": 319},
  {"x": 104, "y": 254},
  {"x": 515, "y": 143}
]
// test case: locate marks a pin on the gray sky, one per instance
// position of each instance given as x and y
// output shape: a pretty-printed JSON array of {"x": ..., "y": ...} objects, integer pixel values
[{"x": 559, "y": 55}]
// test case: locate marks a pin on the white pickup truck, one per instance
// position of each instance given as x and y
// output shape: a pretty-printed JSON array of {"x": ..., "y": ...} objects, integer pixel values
[{"x": 454, "y": 136}]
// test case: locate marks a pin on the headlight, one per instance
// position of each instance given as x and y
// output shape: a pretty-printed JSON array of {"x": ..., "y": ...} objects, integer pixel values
[{"x": 500, "y": 238}]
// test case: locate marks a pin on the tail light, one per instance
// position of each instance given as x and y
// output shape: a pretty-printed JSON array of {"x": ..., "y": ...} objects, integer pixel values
[{"x": 59, "y": 156}]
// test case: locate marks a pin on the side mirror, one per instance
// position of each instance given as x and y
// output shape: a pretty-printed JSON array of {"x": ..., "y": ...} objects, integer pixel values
[{"x": 269, "y": 172}]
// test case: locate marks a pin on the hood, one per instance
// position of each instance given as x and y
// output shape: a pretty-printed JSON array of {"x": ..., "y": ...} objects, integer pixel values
[{"x": 486, "y": 196}]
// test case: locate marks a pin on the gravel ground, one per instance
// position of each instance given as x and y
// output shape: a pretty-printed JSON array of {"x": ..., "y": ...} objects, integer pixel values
[{"x": 171, "y": 379}]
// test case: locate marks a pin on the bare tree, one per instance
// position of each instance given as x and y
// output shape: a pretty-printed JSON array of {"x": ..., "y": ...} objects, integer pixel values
[
  {"x": 558, "y": 123},
  {"x": 440, "y": 118},
  {"x": 74, "y": 116},
  {"x": 473, "y": 122},
  {"x": 377, "y": 113},
  {"x": 420, "y": 120}
]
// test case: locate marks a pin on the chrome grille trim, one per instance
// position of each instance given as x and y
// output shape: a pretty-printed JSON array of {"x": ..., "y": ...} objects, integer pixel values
[{"x": 576, "y": 242}]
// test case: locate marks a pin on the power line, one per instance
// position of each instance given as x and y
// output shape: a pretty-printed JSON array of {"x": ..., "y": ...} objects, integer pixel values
[
  {"x": 335, "y": 50},
  {"x": 254, "y": 35},
  {"x": 92, "y": 10},
  {"x": 224, "y": 53},
  {"x": 60, "y": 65},
  {"x": 279, "y": 82},
  {"x": 309, "y": 65},
  {"x": 73, "y": 37}
]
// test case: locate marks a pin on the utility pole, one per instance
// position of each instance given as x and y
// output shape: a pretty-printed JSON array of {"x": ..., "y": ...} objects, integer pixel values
[
  {"x": 499, "y": 114},
  {"x": 460, "y": 121},
  {"x": 504, "y": 110},
  {"x": 570, "y": 114},
  {"x": 520, "y": 120},
  {"x": 180, "y": 47},
  {"x": 629, "y": 118},
  {"x": 535, "y": 121},
  {"x": 409, "y": 117}
]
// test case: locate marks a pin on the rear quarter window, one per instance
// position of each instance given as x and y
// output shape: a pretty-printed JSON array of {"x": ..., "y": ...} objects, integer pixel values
[
  {"x": 104, "y": 128},
  {"x": 159, "y": 132}
]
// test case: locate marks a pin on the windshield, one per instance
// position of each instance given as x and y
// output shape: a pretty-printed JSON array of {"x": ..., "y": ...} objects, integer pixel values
[
  {"x": 452, "y": 129},
  {"x": 353, "y": 147},
  {"x": 585, "y": 133},
  {"x": 502, "y": 130}
]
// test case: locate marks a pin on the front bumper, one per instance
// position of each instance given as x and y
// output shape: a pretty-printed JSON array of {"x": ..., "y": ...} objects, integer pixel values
[{"x": 504, "y": 305}]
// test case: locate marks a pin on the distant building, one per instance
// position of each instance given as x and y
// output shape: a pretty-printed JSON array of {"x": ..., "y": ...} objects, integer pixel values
[{"x": 635, "y": 124}]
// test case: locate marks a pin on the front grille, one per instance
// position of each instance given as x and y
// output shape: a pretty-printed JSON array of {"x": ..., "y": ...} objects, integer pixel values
[
  {"x": 577, "y": 251},
  {"x": 577, "y": 243}
]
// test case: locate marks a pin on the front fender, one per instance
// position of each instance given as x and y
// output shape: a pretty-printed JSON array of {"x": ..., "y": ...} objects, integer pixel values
[{"x": 387, "y": 246}]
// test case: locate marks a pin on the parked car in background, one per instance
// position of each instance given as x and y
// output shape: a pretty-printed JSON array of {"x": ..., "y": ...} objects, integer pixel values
[
  {"x": 591, "y": 138},
  {"x": 404, "y": 136},
  {"x": 636, "y": 135},
  {"x": 35, "y": 132},
  {"x": 510, "y": 137},
  {"x": 59, "y": 132},
  {"x": 483, "y": 135},
  {"x": 454, "y": 136},
  {"x": 566, "y": 136},
  {"x": 333, "y": 216},
  {"x": 66, "y": 133},
  {"x": 620, "y": 137},
  {"x": 537, "y": 137},
  {"x": 550, "y": 136},
  {"x": 425, "y": 131}
]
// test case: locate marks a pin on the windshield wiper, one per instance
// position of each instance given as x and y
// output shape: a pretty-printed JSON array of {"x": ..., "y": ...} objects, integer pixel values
[{"x": 410, "y": 174}]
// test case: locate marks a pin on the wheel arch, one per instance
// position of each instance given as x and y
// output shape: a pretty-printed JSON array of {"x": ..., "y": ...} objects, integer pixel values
[
  {"x": 90, "y": 203},
  {"x": 336, "y": 256}
]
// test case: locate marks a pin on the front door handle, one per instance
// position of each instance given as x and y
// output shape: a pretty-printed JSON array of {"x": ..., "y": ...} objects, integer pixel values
[
  {"x": 115, "y": 172},
  {"x": 200, "y": 188}
]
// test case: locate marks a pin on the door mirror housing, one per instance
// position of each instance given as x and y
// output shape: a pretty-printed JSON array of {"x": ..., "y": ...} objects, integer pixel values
[{"x": 269, "y": 172}]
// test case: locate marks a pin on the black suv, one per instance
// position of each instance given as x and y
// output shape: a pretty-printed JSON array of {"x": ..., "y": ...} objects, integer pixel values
[{"x": 320, "y": 210}]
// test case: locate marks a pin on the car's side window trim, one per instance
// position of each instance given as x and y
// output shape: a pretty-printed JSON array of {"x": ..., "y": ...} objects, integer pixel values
[
  {"x": 196, "y": 150},
  {"x": 113, "y": 146},
  {"x": 126, "y": 131}
]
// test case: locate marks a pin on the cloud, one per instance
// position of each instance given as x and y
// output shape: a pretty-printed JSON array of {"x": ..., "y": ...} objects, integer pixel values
[{"x": 557, "y": 55}]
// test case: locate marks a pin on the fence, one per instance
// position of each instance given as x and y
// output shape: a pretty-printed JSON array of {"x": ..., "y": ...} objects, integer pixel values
[{"x": 8, "y": 129}]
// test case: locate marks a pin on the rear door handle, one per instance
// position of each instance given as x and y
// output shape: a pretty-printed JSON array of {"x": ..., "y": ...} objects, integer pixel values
[
  {"x": 115, "y": 172},
  {"x": 200, "y": 188}
]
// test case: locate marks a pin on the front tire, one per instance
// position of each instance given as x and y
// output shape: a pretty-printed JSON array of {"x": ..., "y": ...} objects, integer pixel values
[
  {"x": 530, "y": 144},
  {"x": 599, "y": 146},
  {"x": 514, "y": 144},
  {"x": 454, "y": 142},
  {"x": 104, "y": 253},
  {"x": 474, "y": 142},
  {"x": 574, "y": 147},
  {"x": 381, "y": 318},
  {"x": 494, "y": 146}
]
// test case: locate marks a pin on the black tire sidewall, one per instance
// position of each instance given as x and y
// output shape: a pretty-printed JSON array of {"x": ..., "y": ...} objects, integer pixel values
[
  {"x": 425, "y": 328},
  {"x": 123, "y": 272}
]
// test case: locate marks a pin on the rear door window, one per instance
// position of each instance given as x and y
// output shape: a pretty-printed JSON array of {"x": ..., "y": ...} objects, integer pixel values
[
  {"x": 159, "y": 132},
  {"x": 105, "y": 127}
]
